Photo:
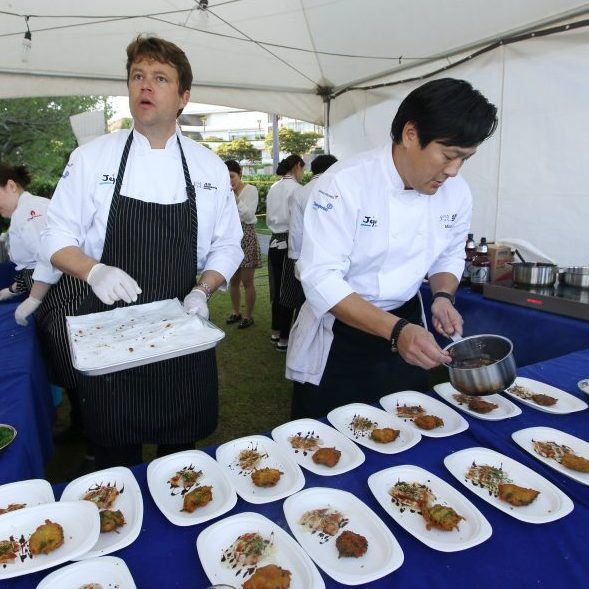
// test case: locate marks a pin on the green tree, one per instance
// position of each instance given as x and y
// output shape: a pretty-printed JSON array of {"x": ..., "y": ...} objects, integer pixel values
[
  {"x": 239, "y": 149},
  {"x": 37, "y": 132},
  {"x": 291, "y": 141}
]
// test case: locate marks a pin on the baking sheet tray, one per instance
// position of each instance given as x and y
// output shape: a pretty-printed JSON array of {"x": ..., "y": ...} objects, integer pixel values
[{"x": 132, "y": 336}]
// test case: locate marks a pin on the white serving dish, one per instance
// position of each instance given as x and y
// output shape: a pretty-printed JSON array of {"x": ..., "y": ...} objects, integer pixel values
[
  {"x": 454, "y": 423},
  {"x": 81, "y": 527},
  {"x": 286, "y": 553},
  {"x": 108, "y": 571},
  {"x": 473, "y": 530},
  {"x": 31, "y": 492},
  {"x": 136, "y": 335},
  {"x": 291, "y": 481},
  {"x": 566, "y": 403},
  {"x": 550, "y": 505},
  {"x": 524, "y": 438},
  {"x": 350, "y": 458},
  {"x": 341, "y": 418},
  {"x": 384, "y": 553},
  {"x": 584, "y": 385},
  {"x": 505, "y": 408},
  {"x": 160, "y": 471},
  {"x": 129, "y": 502}
]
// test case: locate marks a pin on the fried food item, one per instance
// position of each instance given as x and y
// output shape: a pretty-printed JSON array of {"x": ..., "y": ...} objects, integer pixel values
[
  {"x": 351, "y": 544},
  {"x": 91, "y": 586},
  {"x": 103, "y": 496},
  {"x": 198, "y": 497},
  {"x": 516, "y": 495},
  {"x": 481, "y": 406},
  {"x": 12, "y": 507},
  {"x": 409, "y": 411},
  {"x": 328, "y": 521},
  {"x": 327, "y": 456},
  {"x": 440, "y": 517},
  {"x": 185, "y": 478},
  {"x": 428, "y": 421},
  {"x": 46, "y": 538},
  {"x": 384, "y": 435},
  {"x": 8, "y": 551},
  {"x": 269, "y": 577},
  {"x": 544, "y": 400},
  {"x": 575, "y": 462},
  {"x": 111, "y": 520},
  {"x": 266, "y": 477},
  {"x": 412, "y": 495}
]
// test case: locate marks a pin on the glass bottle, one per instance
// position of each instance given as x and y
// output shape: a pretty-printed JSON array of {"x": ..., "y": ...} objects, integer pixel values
[
  {"x": 480, "y": 268},
  {"x": 470, "y": 251}
]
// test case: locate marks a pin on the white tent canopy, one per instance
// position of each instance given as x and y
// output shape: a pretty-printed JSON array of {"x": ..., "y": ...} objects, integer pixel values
[{"x": 277, "y": 55}]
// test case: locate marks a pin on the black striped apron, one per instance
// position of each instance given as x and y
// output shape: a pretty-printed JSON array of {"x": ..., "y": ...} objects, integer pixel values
[
  {"x": 169, "y": 402},
  {"x": 24, "y": 280},
  {"x": 291, "y": 289}
]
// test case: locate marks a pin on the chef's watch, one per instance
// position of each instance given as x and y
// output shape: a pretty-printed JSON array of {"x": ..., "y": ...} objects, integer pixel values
[
  {"x": 396, "y": 333},
  {"x": 444, "y": 295}
]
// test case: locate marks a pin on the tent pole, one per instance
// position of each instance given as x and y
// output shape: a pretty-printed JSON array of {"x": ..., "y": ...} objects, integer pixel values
[
  {"x": 326, "y": 125},
  {"x": 275, "y": 143}
]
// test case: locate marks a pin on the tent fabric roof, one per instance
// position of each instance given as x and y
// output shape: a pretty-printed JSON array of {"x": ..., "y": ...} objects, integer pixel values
[{"x": 268, "y": 55}]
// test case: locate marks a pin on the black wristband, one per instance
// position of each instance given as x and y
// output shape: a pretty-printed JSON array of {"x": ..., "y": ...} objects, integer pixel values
[
  {"x": 396, "y": 333},
  {"x": 444, "y": 295}
]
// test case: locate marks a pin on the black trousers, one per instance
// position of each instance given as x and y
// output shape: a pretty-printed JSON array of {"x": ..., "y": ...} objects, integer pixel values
[
  {"x": 282, "y": 316},
  {"x": 360, "y": 369},
  {"x": 131, "y": 454}
]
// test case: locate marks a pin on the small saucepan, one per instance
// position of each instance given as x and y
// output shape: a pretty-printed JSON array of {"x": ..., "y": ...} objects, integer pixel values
[{"x": 481, "y": 364}]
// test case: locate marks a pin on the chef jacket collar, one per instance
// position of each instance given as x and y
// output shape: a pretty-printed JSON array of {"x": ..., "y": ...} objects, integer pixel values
[
  {"x": 393, "y": 177},
  {"x": 141, "y": 143}
]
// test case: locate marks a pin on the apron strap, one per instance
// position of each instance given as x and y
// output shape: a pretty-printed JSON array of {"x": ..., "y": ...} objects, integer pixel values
[{"x": 191, "y": 194}]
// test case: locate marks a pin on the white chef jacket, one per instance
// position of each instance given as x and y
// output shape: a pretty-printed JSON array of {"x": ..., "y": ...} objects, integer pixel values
[
  {"x": 24, "y": 234},
  {"x": 297, "y": 204},
  {"x": 78, "y": 213},
  {"x": 364, "y": 233},
  {"x": 247, "y": 204},
  {"x": 277, "y": 203}
]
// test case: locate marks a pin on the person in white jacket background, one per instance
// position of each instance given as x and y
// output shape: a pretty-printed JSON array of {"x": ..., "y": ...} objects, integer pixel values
[{"x": 375, "y": 225}]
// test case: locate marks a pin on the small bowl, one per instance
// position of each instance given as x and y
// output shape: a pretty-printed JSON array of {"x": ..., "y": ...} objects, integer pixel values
[
  {"x": 14, "y": 432},
  {"x": 584, "y": 385}
]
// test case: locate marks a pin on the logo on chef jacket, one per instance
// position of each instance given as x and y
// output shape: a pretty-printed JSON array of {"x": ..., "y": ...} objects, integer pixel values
[
  {"x": 208, "y": 186},
  {"x": 106, "y": 179},
  {"x": 448, "y": 220},
  {"x": 34, "y": 215},
  {"x": 333, "y": 196},
  {"x": 368, "y": 222},
  {"x": 320, "y": 207}
]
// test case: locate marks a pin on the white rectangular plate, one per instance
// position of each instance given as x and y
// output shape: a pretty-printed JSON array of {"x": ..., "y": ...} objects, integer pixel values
[
  {"x": 107, "y": 571},
  {"x": 384, "y": 555},
  {"x": 81, "y": 527},
  {"x": 342, "y": 417},
  {"x": 286, "y": 553},
  {"x": 32, "y": 492},
  {"x": 351, "y": 456},
  {"x": 132, "y": 336},
  {"x": 291, "y": 481},
  {"x": 524, "y": 438},
  {"x": 170, "y": 501},
  {"x": 551, "y": 504},
  {"x": 505, "y": 408},
  {"x": 566, "y": 403},
  {"x": 454, "y": 423},
  {"x": 473, "y": 530},
  {"x": 129, "y": 502}
]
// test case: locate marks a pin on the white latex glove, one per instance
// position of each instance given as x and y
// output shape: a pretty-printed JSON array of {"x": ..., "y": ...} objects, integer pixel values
[
  {"x": 195, "y": 303},
  {"x": 6, "y": 295},
  {"x": 112, "y": 284},
  {"x": 26, "y": 308}
]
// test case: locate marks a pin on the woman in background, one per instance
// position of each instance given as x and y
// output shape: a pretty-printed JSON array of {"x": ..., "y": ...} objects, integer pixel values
[
  {"x": 277, "y": 219},
  {"x": 246, "y": 197}
]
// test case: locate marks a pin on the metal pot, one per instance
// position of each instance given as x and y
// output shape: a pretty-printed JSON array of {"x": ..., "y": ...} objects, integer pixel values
[
  {"x": 577, "y": 276},
  {"x": 467, "y": 375},
  {"x": 534, "y": 273}
]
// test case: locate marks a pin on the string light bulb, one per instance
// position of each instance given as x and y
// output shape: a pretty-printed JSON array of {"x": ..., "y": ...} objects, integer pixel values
[{"x": 27, "y": 43}]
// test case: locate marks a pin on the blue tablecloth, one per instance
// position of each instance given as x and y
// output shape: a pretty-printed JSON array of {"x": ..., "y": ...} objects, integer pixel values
[
  {"x": 517, "y": 554},
  {"x": 536, "y": 335},
  {"x": 25, "y": 400},
  {"x": 7, "y": 271}
]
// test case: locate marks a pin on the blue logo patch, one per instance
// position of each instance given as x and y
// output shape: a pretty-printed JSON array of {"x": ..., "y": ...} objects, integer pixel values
[{"x": 326, "y": 207}]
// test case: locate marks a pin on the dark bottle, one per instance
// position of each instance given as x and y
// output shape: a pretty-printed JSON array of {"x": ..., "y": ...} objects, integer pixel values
[
  {"x": 470, "y": 251},
  {"x": 480, "y": 268}
]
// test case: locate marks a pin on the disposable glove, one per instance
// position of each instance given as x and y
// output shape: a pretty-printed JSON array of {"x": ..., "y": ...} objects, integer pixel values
[
  {"x": 195, "y": 303},
  {"x": 26, "y": 308},
  {"x": 6, "y": 295},
  {"x": 112, "y": 284}
]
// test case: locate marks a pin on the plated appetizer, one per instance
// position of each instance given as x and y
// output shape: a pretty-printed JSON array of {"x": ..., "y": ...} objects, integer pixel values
[
  {"x": 562, "y": 454},
  {"x": 529, "y": 395}
]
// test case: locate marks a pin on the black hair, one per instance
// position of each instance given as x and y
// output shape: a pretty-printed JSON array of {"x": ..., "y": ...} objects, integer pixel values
[
  {"x": 233, "y": 166},
  {"x": 449, "y": 111},
  {"x": 288, "y": 163},
  {"x": 18, "y": 174},
  {"x": 322, "y": 163}
]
